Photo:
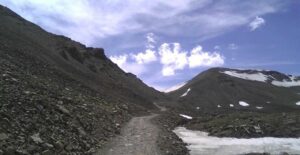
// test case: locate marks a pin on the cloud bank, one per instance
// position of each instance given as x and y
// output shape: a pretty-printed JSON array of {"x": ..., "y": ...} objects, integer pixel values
[
  {"x": 171, "y": 57},
  {"x": 96, "y": 21}
]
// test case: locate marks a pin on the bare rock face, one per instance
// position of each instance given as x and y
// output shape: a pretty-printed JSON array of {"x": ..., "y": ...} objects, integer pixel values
[{"x": 98, "y": 53}]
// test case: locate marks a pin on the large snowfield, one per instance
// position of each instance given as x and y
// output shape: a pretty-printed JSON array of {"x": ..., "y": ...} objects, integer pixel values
[{"x": 199, "y": 143}]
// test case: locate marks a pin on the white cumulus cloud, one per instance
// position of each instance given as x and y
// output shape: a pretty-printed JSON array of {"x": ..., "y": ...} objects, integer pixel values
[
  {"x": 135, "y": 63},
  {"x": 172, "y": 58},
  {"x": 150, "y": 38},
  {"x": 132, "y": 67},
  {"x": 175, "y": 58},
  {"x": 119, "y": 60},
  {"x": 198, "y": 57},
  {"x": 256, "y": 23},
  {"x": 145, "y": 57},
  {"x": 149, "y": 55}
]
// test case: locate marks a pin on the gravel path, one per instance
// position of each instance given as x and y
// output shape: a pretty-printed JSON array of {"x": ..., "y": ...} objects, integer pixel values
[{"x": 138, "y": 137}]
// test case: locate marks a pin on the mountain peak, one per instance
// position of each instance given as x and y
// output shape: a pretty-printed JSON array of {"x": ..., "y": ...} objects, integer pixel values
[{"x": 225, "y": 88}]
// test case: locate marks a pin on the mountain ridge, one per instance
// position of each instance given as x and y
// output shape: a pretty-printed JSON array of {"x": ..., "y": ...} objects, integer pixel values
[
  {"x": 213, "y": 87},
  {"x": 73, "y": 58}
]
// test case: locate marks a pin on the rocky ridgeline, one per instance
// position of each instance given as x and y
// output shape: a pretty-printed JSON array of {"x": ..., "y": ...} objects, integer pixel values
[{"x": 44, "y": 111}]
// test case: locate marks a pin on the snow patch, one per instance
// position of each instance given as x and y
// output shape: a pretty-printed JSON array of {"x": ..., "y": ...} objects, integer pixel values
[
  {"x": 259, "y": 107},
  {"x": 200, "y": 143},
  {"x": 263, "y": 78},
  {"x": 186, "y": 116},
  {"x": 173, "y": 88},
  {"x": 254, "y": 77},
  {"x": 243, "y": 103},
  {"x": 231, "y": 105},
  {"x": 286, "y": 83},
  {"x": 187, "y": 91},
  {"x": 298, "y": 103}
]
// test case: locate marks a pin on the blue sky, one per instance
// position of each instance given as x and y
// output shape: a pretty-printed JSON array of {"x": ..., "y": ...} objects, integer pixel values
[{"x": 168, "y": 42}]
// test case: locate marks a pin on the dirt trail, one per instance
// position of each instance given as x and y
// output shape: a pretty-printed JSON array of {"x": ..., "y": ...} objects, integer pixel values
[
  {"x": 161, "y": 108},
  {"x": 138, "y": 137}
]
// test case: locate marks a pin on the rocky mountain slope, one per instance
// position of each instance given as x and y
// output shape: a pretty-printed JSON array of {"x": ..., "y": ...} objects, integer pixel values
[
  {"x": 88, "y": 65},
  {"x": 220, "y": 89},
  {"x": 58, "y": 96}
]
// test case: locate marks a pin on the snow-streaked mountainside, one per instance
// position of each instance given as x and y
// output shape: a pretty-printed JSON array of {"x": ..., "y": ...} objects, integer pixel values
[
  {"x": 275, "y": 78},
  {"x": 233, "y": 89}
]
